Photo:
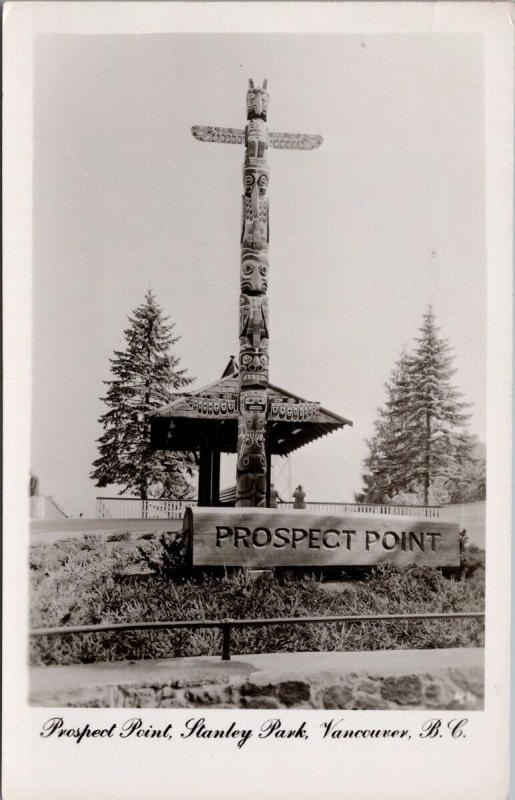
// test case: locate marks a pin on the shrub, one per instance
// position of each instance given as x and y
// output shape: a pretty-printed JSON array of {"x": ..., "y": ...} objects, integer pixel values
[
  {"x": 170, "y": 558},
  {"x": 74, "y": 585},
  {"x": 472, "y": 559},
  {"x": 118, "y": 536}
]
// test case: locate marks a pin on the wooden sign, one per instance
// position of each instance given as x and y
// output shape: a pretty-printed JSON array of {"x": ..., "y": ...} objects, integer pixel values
[{"x": 264, "y": 538}]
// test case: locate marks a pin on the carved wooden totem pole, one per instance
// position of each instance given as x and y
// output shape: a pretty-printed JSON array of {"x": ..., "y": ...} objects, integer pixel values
[{"x": 251, "y": 471}]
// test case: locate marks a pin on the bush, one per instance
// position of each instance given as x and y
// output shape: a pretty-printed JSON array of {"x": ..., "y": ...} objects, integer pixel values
[
  {"x": 169, "y": 559},
  {"x": 118, "y": 536},
  {"x": 472, "y": 559},
  {"x": 73, "y": 583}
]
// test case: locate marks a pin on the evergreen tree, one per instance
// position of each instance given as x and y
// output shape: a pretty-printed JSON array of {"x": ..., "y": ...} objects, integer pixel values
[
  {"x": 381, "y": 480},
  {"x": 420, "y": 442},
  {"x": 471, "y": 485},
  {"x": 145, "y": 374}
]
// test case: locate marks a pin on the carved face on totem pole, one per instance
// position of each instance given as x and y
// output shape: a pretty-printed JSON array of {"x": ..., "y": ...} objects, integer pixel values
[
  {"x": 254, "y": 271},
  {"x": 253, "y": 402},
  {"x": 251, "y": 490},
  {"x": 256, "y": 140},
  {"x": 257, "y": 101},
  {"x": 253, "y": 366},
  {"x": 251, "y": 444},
  {"x": 255, "y": 180}
]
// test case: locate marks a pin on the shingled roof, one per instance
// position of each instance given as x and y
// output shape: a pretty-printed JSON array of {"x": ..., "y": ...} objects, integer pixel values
[{"x": 212, "y": 411}]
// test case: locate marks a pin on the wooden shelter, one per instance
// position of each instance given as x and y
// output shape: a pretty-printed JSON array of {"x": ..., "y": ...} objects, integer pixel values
[{"x": 206, "y": 421}]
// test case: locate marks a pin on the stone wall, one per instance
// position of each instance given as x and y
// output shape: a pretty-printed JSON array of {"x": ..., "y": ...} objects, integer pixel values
[
  {"x": 357, "y": 692},
  {"x": 320, "y": 686}
]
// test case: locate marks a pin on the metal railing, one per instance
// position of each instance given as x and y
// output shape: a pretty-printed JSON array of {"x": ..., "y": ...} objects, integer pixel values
[
  {"x": 43, "y": 507},
  {"x": 432, "y": 512},
  {"x": 132, "y": 508},
  {"x": 226, "y": 625}
]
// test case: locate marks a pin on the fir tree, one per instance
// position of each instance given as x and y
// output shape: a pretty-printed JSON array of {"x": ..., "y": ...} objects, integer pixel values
[
  {"x": 145, "y": 374},
  {"x": 385, "y": 447},
  {"x": 420, "y": 440},
  {"x": 471, "y": 485}
]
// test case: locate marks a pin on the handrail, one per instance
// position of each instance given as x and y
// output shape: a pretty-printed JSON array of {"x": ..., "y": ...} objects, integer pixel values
[
  {"x": 345, "y": 503},
  {"x": 166, "y": 508},
  {"x": 225, "y": 625},
  {"x": 39, "y": 504},
  {"x": 283, "y": 502},
  {"x": 150, "y": 499}
]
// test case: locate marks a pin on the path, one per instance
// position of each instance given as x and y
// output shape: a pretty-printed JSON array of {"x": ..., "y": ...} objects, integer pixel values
[{"x": 49, "y": 531}]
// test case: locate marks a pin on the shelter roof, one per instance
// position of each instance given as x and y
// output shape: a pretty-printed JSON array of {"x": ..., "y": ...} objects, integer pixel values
[{"x": 209, "y": 417}]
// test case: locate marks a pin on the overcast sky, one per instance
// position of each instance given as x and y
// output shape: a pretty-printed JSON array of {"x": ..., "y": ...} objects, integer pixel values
[{"x": 386, "y": 217}]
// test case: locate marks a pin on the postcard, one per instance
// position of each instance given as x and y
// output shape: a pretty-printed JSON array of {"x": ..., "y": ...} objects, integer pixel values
[{"x": 257, "y": 442}]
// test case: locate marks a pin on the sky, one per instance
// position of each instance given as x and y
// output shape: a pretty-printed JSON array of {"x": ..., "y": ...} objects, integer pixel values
[{"x": 385, "y": 218}]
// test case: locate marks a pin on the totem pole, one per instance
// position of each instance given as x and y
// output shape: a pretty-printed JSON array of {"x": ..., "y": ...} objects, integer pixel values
[{"x": 251, "y": 471}]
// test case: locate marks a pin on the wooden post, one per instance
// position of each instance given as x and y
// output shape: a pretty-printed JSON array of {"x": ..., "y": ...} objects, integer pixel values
[
  {"x": 226, "y": 641},
  {"x": 215, "y": 478},
  {"x": 268, "y": 476},
  {"x": 204, "y": 477}
]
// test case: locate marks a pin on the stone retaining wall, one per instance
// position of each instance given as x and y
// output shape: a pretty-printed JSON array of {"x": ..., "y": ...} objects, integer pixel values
[{"x": 322, "y": 684}]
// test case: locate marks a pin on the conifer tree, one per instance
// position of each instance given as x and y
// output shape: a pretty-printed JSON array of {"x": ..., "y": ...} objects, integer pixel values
[
  {"x": 144, "y": 376},
  {"x": 471, "y": 485},
  {"x": 420, "y": 437},
  {"x": 385, "y": 446}
]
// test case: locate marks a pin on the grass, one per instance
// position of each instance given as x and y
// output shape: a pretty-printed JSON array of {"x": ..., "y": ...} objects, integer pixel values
[{"x": 81, "y": 582}]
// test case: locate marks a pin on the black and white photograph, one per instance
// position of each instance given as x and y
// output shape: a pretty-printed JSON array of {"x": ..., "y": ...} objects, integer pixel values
[{"x": 261, "y": 469}]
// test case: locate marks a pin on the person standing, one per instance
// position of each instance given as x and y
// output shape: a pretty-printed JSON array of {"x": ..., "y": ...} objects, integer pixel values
[
  {"x": 274, "y": 497},
  {"x": 299, "y": 497}
]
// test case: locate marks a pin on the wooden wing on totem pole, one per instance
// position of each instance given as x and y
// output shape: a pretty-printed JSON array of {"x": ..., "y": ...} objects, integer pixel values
[{"x": 242, "y": 412}]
